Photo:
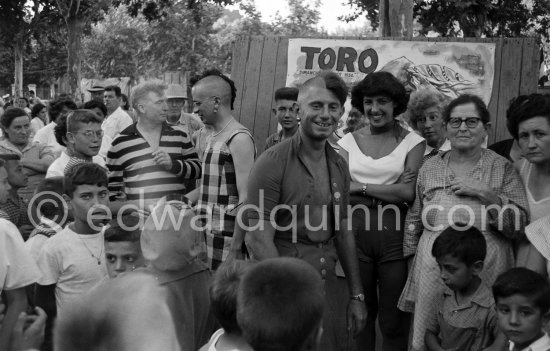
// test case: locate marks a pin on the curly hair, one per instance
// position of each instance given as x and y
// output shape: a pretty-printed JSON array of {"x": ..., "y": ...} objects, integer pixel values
[
  {"x": 421, "y": 100},
  {"x": 380, "y": 83}
]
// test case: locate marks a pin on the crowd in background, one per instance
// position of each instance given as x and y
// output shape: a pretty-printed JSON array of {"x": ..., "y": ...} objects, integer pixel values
[{"x": 131, "y": 224}]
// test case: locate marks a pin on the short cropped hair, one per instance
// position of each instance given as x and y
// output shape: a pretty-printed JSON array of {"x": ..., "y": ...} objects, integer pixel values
[
  {"x": 333, "y": 83},
  {"x": 119, "y": 231},
  {"x": 423, "y": 99},
  {"x": 115, "y": 88},
  {"x": 466, "y": 244},
  {"x": 89, "y": 105},
  {"x": 525, "y": 107},
  {"x": 36, "y": 109},
  {"x": 524, "y": 282},
  {"x": 140, "y": 91},
  {"x": 214, "y": 72},
  {"x": 279, "y": 304},
  {"x": 11, "y": 114},
  {"x": 380, "y": 83},
  {"x": 286, "y": 93},
  {"x": 52, "y": 205},
  {"x": 467, "y": 99},
  {"x": 86, "y": 173},
  {"x": 223, "y": 294},
  {"x": 60, "y": 130},
  {"x": 81, "y": 116},
  {"x": 56, "y": 106}
]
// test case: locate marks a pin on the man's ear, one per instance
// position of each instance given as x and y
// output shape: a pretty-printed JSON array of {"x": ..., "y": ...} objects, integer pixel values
[
  {"x": 69, "y": 137},
  {"x": 477, "y": 267}
]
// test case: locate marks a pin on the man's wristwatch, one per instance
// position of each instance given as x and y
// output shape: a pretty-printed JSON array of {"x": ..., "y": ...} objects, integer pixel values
[
  {"x": 364, "y": 189},
  {"x": 358, "y": 297}
]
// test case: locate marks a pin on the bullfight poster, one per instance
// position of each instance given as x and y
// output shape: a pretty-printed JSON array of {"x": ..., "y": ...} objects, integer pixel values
[{"x": 453, "y": 68}]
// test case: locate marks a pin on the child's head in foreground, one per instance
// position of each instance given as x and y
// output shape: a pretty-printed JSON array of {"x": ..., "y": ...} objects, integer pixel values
[
  {"x": 223, "y": 294},
  {"x": 122, "y": 245},
  {"x": 522, "y": 299},
  {"x": 280, "y": 305},
  {"x": 86, "y": 193},
  {"x": 460, "y": 253}
]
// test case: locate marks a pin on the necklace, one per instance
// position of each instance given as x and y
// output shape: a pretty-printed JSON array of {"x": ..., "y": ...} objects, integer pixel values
[
  {"x": 97, "y": 258},
  {"x": 218, "y": 133}
]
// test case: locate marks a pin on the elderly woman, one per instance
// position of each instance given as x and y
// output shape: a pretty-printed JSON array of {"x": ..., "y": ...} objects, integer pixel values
[
  {"x": 425, "y": 110},
  {"x": 466, "y": 185},
  {"x": 378, "y": 156},
  {"x": 35, "y": 157},
  {"x": 528, "y": 121}
]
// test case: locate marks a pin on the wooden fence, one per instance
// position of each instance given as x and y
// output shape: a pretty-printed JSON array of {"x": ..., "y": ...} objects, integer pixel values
[{"x": 260, "y": 67}]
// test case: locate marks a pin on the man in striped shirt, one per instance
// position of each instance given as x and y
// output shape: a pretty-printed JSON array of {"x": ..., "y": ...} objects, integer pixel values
[{"x": 150, "y": 159}]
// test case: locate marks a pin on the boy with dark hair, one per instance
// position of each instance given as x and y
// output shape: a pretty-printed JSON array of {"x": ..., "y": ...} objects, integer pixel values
[
  {"x": 15, "y": 206},
  {"x": 522, "y": 303},
  {"x": 122, "y": 245},
  {"x": 286, "y": 111},
  {"x": 280, "y": 305},
  {"x": 465, "y": 317},
  {"x": 223, "y": 298},
  {"x": 72, "y": 261},
  {"x": 52, "y": 214},
  {"x": 17, "y": 269},
  {"x": 80, "y": 131}
]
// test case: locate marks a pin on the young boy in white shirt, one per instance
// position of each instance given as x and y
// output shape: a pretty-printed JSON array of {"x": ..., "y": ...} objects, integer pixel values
[
  {"x": 72, "y": 261},
  {"x": 17, "y": 269},
  {"x": 522, "y": 299}
]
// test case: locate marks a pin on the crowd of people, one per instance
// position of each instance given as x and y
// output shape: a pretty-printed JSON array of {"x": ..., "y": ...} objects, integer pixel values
[{"x": 143, "y": 227}]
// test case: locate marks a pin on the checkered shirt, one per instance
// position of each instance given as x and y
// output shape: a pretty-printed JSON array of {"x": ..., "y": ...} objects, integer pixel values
[
  {"x": 16, "y": 211},
  {"x": 218, "y": 195}
]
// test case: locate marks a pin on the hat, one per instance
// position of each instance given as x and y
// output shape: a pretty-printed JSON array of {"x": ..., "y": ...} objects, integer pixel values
[
  {"x": 96, "y": 89},
  {"x": 169, "y": 240},
  {"x": 175, "y": 91}
]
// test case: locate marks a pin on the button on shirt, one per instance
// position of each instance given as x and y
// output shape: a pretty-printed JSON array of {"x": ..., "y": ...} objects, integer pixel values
[{"x": 280, "y": 172}]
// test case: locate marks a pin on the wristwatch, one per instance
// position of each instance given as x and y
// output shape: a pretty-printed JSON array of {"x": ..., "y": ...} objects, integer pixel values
[
  {"x": 358, "y": 297},
  {"x": 364, "y": 189}
]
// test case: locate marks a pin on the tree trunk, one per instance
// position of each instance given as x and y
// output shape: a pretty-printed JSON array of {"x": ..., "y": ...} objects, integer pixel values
[
  {"x": 74, "y": 62},
  {"x": 396, "y": 18},
  {"x": 18, "y": 54}
]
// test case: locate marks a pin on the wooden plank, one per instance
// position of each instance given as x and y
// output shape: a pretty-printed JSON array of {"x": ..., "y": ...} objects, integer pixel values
[
  {"x": 238, "y": 71},
  {"x": 251, "y": 81},
  {"x": 509, "y": 87},
  {"x": 493, "y": 103},
  {"x": 530, "y": 67},
  {"x": 265, "y": 92},
  {"x": 280, "y": 76}
]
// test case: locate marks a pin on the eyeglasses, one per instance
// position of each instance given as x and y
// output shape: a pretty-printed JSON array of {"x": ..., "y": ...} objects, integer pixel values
[
  {"x": 471, "y": 122},
  {"x": 90, "y": 134}
]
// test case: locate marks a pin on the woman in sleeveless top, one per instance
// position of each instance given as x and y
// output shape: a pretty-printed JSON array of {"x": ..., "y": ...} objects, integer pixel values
[
  {"x": 383, "y": 161},
  {"x": 528, "y": 120},
  {"x": 465, "y": 186}
]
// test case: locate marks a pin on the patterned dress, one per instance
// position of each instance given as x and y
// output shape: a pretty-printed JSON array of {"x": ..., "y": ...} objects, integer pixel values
[
  {"x": 436, "y": 207},
  {"x": 218, "y": 196}
]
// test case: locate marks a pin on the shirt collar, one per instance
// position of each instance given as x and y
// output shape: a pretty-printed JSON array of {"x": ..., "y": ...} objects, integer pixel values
[
  {"x": 9, "y": 145},
  {"x": 332, "y": 156},
  {"x": 541, "y": 344},
  {"x": 132, "y": 129},
  {"x": 482, "y": 297}
]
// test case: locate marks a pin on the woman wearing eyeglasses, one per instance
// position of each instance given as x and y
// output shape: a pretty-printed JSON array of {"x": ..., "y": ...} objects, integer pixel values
[
  {"x": 35, "y": 157},
  {"x": 80, "y": 131},
  {"x": 459, "y": 187}
]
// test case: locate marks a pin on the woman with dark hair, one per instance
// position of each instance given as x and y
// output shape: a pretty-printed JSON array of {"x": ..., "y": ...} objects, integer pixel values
[
  {"x": 383, "y": 161},
  {"x": 35, "y": 157},
  {"x": 528, "y": 120},
  {"x": 39, "y": 115},
  {"x": 465, "y": 186}
]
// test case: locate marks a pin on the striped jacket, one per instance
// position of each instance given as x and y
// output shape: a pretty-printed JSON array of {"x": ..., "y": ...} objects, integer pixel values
[{"x": 133, "y": 170}]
